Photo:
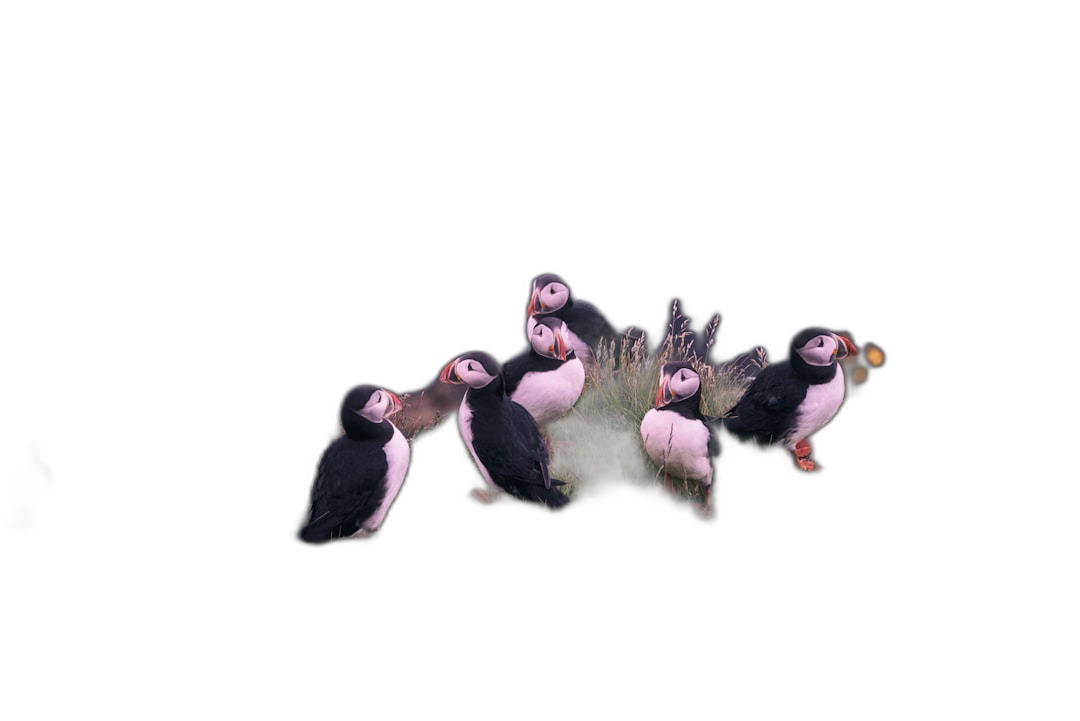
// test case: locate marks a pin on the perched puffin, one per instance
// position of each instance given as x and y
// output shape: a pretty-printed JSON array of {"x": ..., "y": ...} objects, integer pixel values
[
  {"x": 676, "y": 435},
  {"x": 587, "y": 326},
  {"x": 547, "y": 379},
  {"x": 501, "y": 435},
  {"x": 361, "y": 472},
  {"x": 789, "y": 401}
]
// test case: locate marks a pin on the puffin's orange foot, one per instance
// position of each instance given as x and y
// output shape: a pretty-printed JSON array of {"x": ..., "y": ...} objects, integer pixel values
[
  {"x": 483, "y": 496},
  {"x": 802, "y": 456}
]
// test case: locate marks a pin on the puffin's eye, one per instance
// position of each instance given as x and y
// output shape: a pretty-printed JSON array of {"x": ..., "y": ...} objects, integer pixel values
[{"x": 820, "y": 342}]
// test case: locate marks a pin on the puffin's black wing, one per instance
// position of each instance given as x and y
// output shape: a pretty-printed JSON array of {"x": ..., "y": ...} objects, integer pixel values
[
  {"x": 713, "y": 425},
  {"x": 510, "y": 447},
  {"x": 748, "y": 365},
  {"x": 767, "y": 409},
  {"x": 348, "y": 489},
  {"x": 588, "y": 323}
]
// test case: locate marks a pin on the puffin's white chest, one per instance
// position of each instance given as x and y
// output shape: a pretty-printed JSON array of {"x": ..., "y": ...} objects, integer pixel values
[
  {"x": 820, "y": 405},
  {"x": 550, "y": 394},
  {"x": 465, "y": 426},
  {"x": 397, "y": 462},
  {"x": 678, "y": 444}
]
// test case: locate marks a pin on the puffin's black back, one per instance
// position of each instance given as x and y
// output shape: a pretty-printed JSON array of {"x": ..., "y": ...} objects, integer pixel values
[
  {"x": 348, "y": 488},
  {"x": 508, "y": 443},
  {"x": 767, "y": 409},
  {"x": 586, "y": 322}
]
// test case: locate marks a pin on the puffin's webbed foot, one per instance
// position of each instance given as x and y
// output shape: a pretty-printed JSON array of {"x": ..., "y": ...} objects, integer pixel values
[
  {"x": 487, "y": 498},
  {"x": 801, "y": 457}
]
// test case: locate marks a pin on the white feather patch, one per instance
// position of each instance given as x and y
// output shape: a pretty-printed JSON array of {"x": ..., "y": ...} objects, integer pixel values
[
  {"x": 550, "y": 394},
  {"x": 465, "y": 425},
  {"x": 397, "y": 462},
  {"x": 677, "y": 444},
  {"x": 820, "y": 405}
]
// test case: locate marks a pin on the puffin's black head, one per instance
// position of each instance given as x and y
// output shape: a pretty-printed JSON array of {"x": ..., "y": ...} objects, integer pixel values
[
  {"x": 476, "y": 370},
  {"x": 548, "y": 339},
  {"x": 814, "y": 352},
  {"x": 549, "y": 293},
  {"x": 367, "y": 403},
  {"x": 679, "y": 382}
]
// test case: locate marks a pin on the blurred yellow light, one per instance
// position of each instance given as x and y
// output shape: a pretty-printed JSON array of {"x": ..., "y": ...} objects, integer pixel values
[
  {"x": 873, "y": 355},
  {"x": 859, "y": 376}
]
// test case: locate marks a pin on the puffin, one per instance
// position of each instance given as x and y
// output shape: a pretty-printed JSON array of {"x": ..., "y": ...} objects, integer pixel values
[
  {"x": 788, "y": 401},
  {"x": 587, "y": 326},
  {"x": 548, "y": 377},
  {"x": 361, "y": 472},
  {"x": 502, "y": 437},
  {"x": 677, "y": 436}
]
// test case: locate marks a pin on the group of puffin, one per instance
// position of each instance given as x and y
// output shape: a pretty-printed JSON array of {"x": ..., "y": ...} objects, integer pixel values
[{"x": 505, "y": 406}]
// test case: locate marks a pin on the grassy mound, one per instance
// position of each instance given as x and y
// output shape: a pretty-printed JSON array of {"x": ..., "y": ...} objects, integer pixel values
[
  {"x": 601, "y": 436},
  {"x": 605, "y": 425}
]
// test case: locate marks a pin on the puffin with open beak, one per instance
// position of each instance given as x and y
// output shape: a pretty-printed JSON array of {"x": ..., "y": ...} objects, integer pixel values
[
  {"x": 361, "y": 472},
  {"x": 791, "y": 400},
  {"x": 676, "y": 435},
  {"x": 502, "y": 437},
  {"x": 586, "y": 326},
  {"x": 548, "y": 377}
]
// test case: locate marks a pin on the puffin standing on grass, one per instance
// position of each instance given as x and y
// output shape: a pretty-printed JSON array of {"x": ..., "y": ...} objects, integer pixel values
[
  {"x": 676, "y": 435},
  {"x": 789, "y": 401},
  {"x": 587, "y": 326},
  {"x": 360, "y": 473},
  {"x": 501, "y": 435},
  {"x": 546, "y": 379}
]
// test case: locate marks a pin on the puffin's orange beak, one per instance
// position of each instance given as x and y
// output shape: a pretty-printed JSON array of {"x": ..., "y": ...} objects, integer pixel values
[
  {"x": 663, "y": 396},
  {"x": 449, "y": 373},
  {"x": 535, "y": 306},
  {"x": 559, "y": 349},
  {"x": 849, "y": 347},
  {"x": 395, "y": 404}
]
